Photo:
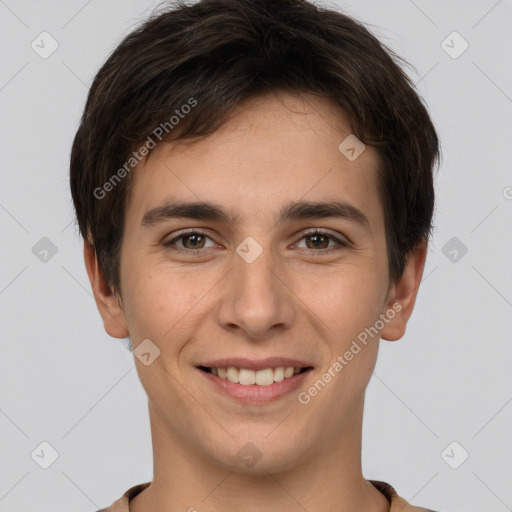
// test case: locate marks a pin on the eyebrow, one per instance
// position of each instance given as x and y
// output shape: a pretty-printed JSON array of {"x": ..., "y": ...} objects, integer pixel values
[{"x": 201, "y": 210}]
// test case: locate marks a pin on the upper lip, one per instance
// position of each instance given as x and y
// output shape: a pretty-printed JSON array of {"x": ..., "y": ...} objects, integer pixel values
[{"x": 253, "y": 364}]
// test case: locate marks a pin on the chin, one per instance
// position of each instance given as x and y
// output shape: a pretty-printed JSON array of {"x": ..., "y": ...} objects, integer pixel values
[{"x": 260, "y": 455}]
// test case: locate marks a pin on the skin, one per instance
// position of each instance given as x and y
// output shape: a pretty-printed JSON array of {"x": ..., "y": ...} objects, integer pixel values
[{"x": 292, "y": 301}]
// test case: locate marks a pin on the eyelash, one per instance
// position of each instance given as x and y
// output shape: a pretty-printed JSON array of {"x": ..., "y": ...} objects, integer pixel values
[{"x": 197, "y": 252}]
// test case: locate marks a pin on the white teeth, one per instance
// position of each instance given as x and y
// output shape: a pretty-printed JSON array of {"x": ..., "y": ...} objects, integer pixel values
[
  {"x": 247, "y": 376},
  {"x": 265, "y": 377},
  {"x": 288, "y": 372},
  {"x": 279, "y": 374},
  {"x": 260, "y": 377},
  {"x": 232, "y": 374}
]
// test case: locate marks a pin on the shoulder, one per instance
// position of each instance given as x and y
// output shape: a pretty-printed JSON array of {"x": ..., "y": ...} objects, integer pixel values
[
  {"x": 398, "y": 504},
  {"x": 122, "y": 504}
]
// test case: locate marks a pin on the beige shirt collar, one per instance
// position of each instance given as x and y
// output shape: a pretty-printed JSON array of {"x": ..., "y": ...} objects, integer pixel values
[{"x": 398, "y": 504}]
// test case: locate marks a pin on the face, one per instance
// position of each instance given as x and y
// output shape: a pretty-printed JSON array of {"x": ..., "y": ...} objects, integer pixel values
[{"x": 248, "y": 278}]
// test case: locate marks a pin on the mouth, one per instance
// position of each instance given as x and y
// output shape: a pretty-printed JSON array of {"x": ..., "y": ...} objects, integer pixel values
[
  {"x": 258, "y": 385},
  {"x": 248, "y": 377}
]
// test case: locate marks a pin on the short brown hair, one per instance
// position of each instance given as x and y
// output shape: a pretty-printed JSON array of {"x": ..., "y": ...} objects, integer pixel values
[{"x": 219, "y": 53}]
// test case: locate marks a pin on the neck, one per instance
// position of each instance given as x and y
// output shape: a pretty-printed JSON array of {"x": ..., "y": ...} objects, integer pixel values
[{"x": 327, "y": 478}]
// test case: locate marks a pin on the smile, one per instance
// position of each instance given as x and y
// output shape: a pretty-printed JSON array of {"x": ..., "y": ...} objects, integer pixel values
[
  {"x": 247, "y": 377},
  {"x": 255, "y": 386}
]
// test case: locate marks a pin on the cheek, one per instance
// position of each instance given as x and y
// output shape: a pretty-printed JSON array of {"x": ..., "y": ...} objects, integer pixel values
[
  {"x": 349, "y": 308},
  {"x": 347, "y": 300},
  {"x": 161, "y": 305}
]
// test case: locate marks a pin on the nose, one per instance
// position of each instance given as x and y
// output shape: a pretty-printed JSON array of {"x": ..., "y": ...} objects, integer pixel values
[{"x": 256, "y": 299}]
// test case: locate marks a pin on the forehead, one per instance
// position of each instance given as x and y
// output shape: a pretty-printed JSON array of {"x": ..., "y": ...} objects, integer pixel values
[{"x": 272, "y": 150}]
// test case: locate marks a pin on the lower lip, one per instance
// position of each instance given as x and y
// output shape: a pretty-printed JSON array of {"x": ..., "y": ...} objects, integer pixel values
[{"x": 255, "y": 394}]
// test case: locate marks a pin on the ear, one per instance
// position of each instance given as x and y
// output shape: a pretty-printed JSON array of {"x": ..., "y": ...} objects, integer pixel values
[
  {"x": 402, "y": 295},
  {"x": 109, "y": 306}
]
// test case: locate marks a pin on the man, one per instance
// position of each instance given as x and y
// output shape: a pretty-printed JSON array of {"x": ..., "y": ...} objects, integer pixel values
[{"x": 253, "y": 181}]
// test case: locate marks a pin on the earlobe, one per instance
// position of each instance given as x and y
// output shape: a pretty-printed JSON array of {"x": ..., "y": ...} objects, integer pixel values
[
  {"x": 402, "y": 296},
  {"x": 110, "y": 309}
]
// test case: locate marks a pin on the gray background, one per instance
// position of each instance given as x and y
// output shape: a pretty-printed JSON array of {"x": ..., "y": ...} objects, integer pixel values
[{"x": 65, "y": 381}]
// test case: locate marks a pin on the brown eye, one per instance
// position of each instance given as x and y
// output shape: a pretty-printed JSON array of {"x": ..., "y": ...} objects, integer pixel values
[
  {"x": 190, "y": 241},
  {"x": 193, "y": 241},
  {"x": 318, "y": 241}
]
